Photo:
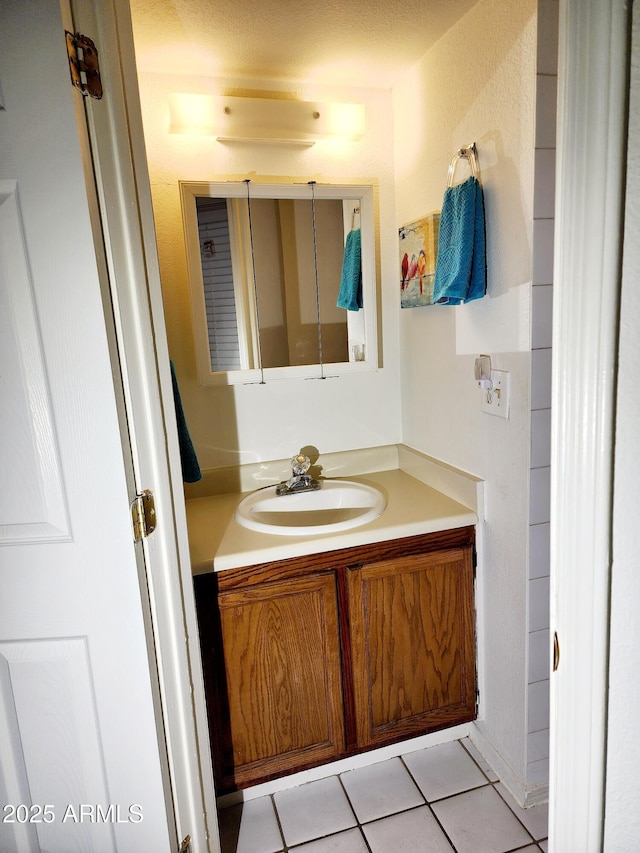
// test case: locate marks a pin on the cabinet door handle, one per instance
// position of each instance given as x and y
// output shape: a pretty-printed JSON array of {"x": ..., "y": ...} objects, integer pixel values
[{"x": 556, "y": 651}]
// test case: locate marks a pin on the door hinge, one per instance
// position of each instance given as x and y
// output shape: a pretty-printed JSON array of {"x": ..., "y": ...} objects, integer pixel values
[
  {"x": 143, "y": 515},
  {"x": 83, "y": 65},
  {"x": 185, "y": 846}
]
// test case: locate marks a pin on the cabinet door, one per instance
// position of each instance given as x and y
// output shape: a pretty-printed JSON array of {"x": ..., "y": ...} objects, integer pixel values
[
  {"x": 412, "y": 644},
  {"x": 281, "y": 705}
]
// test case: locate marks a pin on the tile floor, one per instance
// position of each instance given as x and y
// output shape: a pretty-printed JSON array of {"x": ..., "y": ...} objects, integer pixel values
[{"x": 441, "y": 799}]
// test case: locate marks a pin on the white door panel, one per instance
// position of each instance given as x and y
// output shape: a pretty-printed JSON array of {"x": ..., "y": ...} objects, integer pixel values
[
  {"x": 77, "y": 725},
  {"x": 32, "y": 502}
]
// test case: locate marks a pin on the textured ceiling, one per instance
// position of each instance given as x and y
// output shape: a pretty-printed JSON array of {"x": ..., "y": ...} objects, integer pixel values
[{"x": 352, "y": 42}]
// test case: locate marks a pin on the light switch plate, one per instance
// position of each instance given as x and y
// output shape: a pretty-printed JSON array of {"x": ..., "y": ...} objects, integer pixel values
[{"x": 496, "y": 400}]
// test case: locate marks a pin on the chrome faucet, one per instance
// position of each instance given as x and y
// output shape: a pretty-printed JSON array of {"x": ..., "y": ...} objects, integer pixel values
[{"x": 299, "y": 481}]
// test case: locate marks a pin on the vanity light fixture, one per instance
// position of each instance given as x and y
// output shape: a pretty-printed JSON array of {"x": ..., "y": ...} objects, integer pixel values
[{"x": 270, "y": 120}]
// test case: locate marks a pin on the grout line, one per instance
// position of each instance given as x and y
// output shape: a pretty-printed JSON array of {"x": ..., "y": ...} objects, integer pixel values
[
  {"x": 275, "y": 809},
  {"x": 428, "y": 804},
  {"x": 351, "y": 806},
  {"x": 360, "y": 824},
  {"x": 473, "y": 758},
  {"x": 535, "y": 840}
]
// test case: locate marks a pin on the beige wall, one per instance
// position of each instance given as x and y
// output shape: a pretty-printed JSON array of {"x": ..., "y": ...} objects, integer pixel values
[
  {"x": 477, "y": 84},
  {"x": 250, "y": 423}
]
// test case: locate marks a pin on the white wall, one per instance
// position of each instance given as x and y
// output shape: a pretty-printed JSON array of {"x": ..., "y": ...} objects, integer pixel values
[
  {"x": 477, "y": 84},
  {"x": 622, "y": 817},
  {"x": 241, "y": 424}
]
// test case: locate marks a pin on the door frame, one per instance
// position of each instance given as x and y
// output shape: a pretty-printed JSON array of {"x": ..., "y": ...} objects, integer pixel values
[
  {"x": 141, "y": 369},
  {"x": 592, "y": 78},
  {"x": 591, "y": 157}
]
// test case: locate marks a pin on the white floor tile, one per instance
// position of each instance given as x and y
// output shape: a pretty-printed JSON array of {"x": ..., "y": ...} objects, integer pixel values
[
  {"x": 313, "y": 810},
  {"x": 407, "y": 833},
  {"x": 250, "y": 827},
  {"x": 442, "y": 770},
  {"x": 480, "y": 760},
  {"x": 535, "y": 818},
  {"x": 544, "y": 845},
  {"x": 350, "y": 841},
  {"x": 480, "y": 822},
  {"x": 381, "y": 789}
]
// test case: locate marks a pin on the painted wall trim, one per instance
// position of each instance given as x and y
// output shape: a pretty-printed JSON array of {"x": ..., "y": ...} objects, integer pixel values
[
  {"x": 364, "y": 759},
  {"x": 524, "y": 795},
  {"x": 590, "y": 168},
  {"x": 122, "y": 177}
]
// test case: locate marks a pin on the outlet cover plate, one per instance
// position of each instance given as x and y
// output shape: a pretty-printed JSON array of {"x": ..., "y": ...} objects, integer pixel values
[{"x": 496, "y": 401}]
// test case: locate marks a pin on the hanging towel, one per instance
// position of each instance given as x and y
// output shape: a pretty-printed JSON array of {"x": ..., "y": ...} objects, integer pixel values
[
  {"x": 191, "y": 472},
  {"x": 350, "y": 296},
  {"x": 461, "y": 268}
]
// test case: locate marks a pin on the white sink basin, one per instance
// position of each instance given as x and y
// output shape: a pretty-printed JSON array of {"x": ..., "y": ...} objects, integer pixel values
[{"x": 337, "y": 505}]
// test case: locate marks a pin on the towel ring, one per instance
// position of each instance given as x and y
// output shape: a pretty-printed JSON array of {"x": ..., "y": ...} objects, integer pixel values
[{"x": 470, "y": 154}]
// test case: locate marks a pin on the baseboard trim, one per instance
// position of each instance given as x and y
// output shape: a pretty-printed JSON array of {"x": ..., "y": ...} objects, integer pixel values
[
  {"x": 363, "y": 759},
  {"x": 525, "y": 796}
]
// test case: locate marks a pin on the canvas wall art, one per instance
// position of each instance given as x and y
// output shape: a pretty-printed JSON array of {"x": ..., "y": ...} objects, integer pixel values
[{"x": 418, "y": 253}]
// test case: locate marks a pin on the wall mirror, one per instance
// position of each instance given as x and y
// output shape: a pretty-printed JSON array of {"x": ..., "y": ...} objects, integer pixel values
[{"x": 265, "y": 272}]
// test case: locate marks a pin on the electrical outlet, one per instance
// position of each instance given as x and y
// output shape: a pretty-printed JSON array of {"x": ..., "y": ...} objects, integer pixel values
[{"x": 495, "y": 400}]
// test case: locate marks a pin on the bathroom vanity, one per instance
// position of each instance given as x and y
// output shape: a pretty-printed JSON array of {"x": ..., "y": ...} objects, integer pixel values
[
  {"x": 311, "y": 659},
  {"x": 336, "y": 644}
]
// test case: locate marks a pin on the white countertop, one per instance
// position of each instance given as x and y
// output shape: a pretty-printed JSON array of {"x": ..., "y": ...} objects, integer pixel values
[{"x": 217, "y": 541}]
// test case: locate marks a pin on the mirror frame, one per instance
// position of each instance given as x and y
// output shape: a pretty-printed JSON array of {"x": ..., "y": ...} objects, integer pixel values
[{"x": 190, "y": 190}]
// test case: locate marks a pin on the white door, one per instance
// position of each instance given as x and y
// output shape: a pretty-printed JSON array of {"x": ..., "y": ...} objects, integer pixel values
[
  {"x": 81, "y": 755},
  {"x": 592, "y": 118}
]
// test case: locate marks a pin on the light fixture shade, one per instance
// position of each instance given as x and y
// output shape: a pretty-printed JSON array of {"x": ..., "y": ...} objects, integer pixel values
[
  {"x": 192, "y": 114},
  {"x": 265, "y": 119}
]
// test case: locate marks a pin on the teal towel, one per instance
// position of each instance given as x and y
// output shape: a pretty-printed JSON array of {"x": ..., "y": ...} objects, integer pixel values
[
  {"x": 350, "y": 296},
  {"x": 191, "y": 472},
  {"x": 461, "y": 268}
]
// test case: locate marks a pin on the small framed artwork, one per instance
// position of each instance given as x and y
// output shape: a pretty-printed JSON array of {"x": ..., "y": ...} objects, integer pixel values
[{"x": 418, "y": 253}]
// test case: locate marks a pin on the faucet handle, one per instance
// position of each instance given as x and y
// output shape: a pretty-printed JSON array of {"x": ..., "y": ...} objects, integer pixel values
[{"x": 300, "y": 464}]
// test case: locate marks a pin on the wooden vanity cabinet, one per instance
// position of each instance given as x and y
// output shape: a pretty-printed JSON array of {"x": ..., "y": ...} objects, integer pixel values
[
  {"x": 412, "y": 644},
  {"x": 315, "y": 658},
  {"x": 272, "y": 668}
]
